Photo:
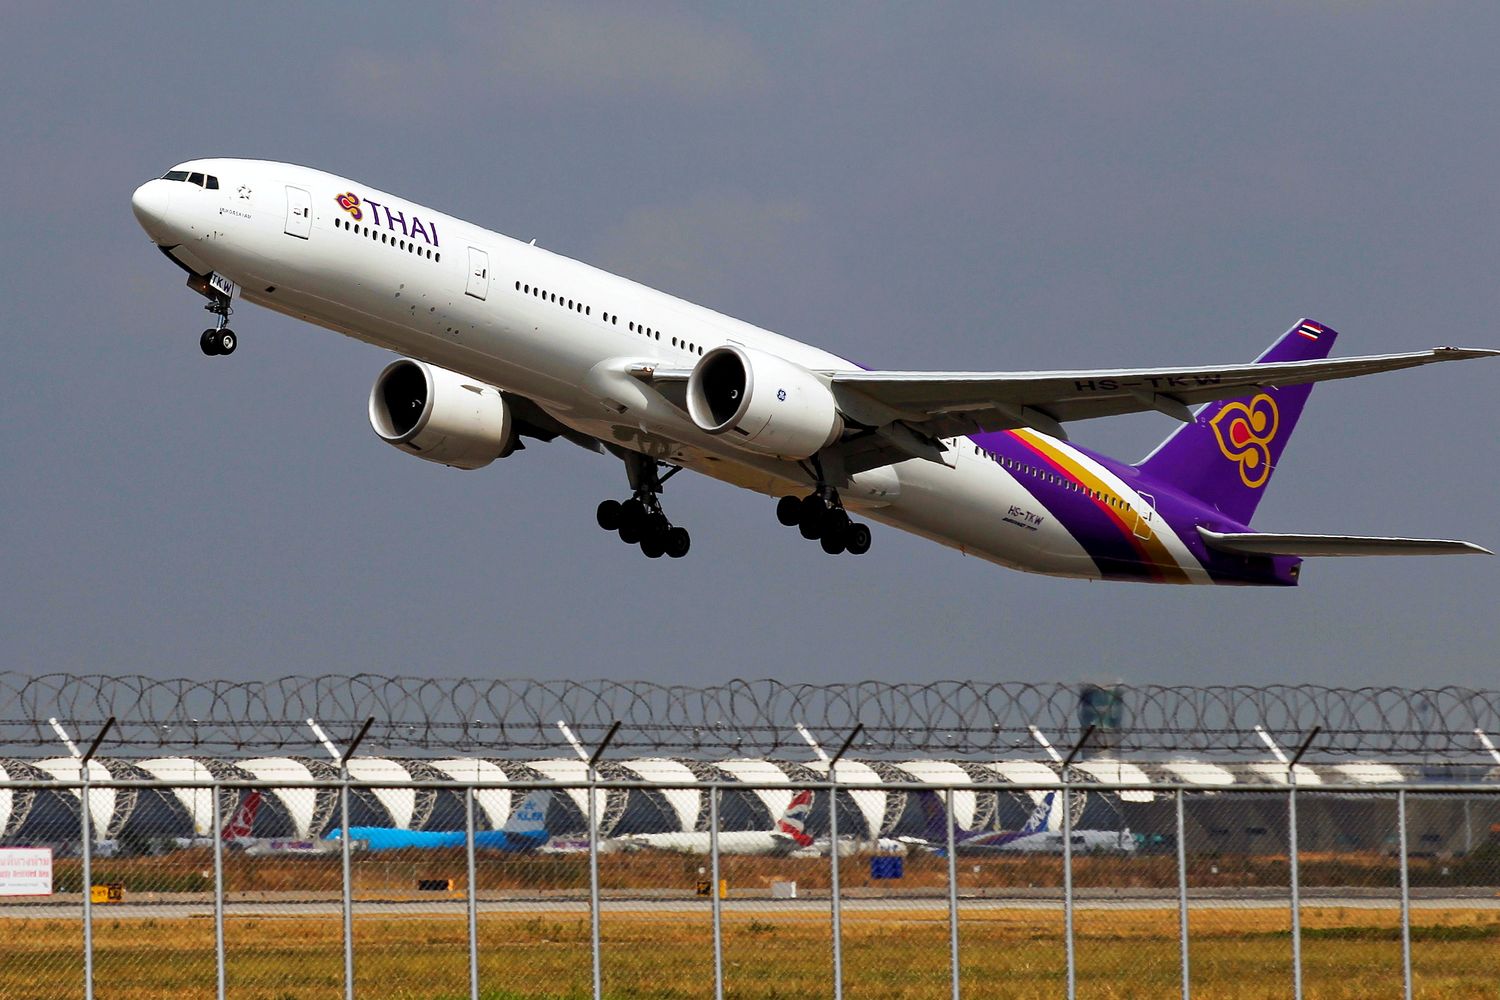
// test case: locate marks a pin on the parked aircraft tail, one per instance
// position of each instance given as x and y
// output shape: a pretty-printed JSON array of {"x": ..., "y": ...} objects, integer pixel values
[
  {"x": 793, "y": 822},
  {"x": 1225, "y": 457},
  {"x": 1041, "y": 819},
  {"x": 243, "y": 820},
  {"x": 529, "y": 819}
]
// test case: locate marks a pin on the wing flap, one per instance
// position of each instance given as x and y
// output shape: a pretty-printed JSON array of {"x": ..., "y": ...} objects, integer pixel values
[{"x": 1266, "y": 544}]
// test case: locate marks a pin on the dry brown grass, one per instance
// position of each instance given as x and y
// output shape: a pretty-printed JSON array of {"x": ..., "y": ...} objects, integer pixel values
[{"x": 1349, "y": 953}]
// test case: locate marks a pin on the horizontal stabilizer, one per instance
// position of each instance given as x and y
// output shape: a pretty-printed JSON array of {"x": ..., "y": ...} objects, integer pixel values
[{"x": 1265, "y": 544}]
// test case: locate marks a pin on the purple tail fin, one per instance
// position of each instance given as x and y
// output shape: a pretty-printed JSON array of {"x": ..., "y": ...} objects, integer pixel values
[{"x": 1226, "y": 456}]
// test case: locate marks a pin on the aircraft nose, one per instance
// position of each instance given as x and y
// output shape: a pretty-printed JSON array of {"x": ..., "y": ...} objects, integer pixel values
[{"x": 150, "y": 203}]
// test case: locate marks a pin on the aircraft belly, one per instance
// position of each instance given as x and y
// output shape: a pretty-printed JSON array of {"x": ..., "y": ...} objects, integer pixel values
[{"x": 981, "y": 510}]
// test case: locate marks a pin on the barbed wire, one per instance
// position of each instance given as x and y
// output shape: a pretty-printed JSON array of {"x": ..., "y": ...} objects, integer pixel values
[{"x": 749, "y": 717}]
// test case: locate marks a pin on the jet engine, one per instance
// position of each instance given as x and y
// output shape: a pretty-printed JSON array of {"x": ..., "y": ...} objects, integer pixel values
[
  {"x": 441, "y": 416},
  {"x": 763, "y": 403}
]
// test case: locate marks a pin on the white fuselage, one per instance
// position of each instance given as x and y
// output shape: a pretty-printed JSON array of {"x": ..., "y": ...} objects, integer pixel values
[
  {"x": 744, "y": 842},
  {"x": 558, "y": 332}
]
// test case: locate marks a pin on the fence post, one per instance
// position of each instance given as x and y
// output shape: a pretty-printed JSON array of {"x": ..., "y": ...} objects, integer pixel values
[
  {"x": 595, "y": 943},
  {"x": 1294, "y": 857},
  {"x": 1182, "y": 898},
  {"x": 86, "y": 818},
  {"x": 1405, "y": 896},
  {"x": 952, "y": 893},
  {"x": 347, "y": 875},
  {"x": 717, "y": 904},
  {"x": 1067, "y": 817},
  {"x": 218, "y": 835},
  {"x": 86, "y": 831},
  {"x": 835, "y": 893},
  {"x": 471, "y": 903}
]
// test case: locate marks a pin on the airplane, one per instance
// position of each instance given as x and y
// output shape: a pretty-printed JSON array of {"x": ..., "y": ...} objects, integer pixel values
[
  {"x": 786, "y": 837},
  {"x": 850, "y": 846},
  {"x": 502, "y": 341},
  {"x": 236, "y": 829},
  {"x": 1040, "y": 835},
  {"x": 525, "y": 830}
]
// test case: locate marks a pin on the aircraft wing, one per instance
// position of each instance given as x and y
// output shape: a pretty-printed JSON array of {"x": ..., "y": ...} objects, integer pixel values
[
  {"x": 949, "y": 404},
  {"x": 1258, "y": 543}
]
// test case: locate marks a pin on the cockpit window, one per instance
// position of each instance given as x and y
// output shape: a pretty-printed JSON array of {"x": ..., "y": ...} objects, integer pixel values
[{"x": 202, "y": 180}]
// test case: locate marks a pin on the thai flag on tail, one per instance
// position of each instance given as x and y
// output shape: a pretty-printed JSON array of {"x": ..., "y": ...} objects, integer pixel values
[{"x": 1310, "y": 330}]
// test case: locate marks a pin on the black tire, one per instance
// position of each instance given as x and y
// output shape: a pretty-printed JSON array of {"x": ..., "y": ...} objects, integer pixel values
[
  {"x": 832, "y": 542},
  {"x": 810, "y": 514},
  {"x": 227, "y": 341},
  {"x": 629, "y": 534},
  {"x": 653, "y": 546},
  {"x": 835, "y": 522},
  {"x": 608, "y": 515},
  {"x": 633, "y": 516},
  {"x": 678, "y": 541},
  {"x": 857, "y": 539},
  {"x": 209, "y": 342},
  {"x": 789, "y": 511}
]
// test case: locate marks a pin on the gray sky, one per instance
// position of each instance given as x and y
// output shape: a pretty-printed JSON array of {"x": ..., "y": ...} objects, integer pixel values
[{"x": 912, "y": 186}]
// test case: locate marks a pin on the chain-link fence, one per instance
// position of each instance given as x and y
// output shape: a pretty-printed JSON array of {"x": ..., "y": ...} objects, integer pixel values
[{"x": 505, "y": 889}]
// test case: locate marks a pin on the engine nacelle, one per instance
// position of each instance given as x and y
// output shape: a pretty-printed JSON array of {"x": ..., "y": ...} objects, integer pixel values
[
  {"x": 763, "y": 403},
  {"x": 441, "y": 416}
]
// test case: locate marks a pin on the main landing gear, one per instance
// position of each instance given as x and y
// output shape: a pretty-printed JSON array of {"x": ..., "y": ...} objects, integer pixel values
[
  {"x": 640, "y": 520},
  {"x": 821, "y": 517},
  {"x": 220, "y": 339}
]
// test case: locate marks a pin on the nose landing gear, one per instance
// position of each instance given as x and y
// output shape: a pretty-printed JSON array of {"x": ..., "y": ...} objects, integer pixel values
[
  {"x": 640, "y": 520},
  {"x": 821, "y": 517},
  {"x": 220, "y": 339}
]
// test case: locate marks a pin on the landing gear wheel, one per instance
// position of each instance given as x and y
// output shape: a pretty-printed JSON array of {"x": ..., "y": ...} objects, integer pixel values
[
  {"x": 810, "y": 514},
  {"x": 653, "y": 545},
  {"x": 608, "y": 515},
  {"x": 629, "y": 533},
  {"x": 678, "y": 542},
  {"x": 209, "y": 342},
  {"x": 832, "y": 542},
  {"x": 789, "y": 511},
  {"x": 857, "y": 539},
  {"x": 227, "y": 341}
]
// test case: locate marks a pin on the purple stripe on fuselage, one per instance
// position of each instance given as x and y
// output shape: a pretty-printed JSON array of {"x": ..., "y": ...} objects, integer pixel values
[{"x": 1115, "y": 552}]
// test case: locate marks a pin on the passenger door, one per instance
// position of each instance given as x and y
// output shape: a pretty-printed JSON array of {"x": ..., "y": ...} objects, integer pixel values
[
  {"x": 298, "y": 212},
  {"x": 479, "y": 273}
]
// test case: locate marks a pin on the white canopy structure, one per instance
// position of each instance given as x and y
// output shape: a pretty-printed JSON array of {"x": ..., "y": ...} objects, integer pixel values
[
  {"x": 947, "y": 773},
  {"x": 1025, "y": 772},
  {"x": 1275, "y": 772},
  {"x": 686, "y": 803},
  {"x": 400, "y": 803},
  {"x": 1197, "y": 772},
  {"x": 577, "y": 772},
  {"x": 871, "y": 804},
  {"x": 101, "y": 800},
  {"x": 197, "y": 802},
  {"x": 301, "y": 804},
  {"x": 1113, "y": 771},
  {"x": 493, "y": 802},
  {"x": 755, "y": 771}
]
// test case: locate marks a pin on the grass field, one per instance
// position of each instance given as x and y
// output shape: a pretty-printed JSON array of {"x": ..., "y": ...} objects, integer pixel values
[{"x": 902, "y": 955}]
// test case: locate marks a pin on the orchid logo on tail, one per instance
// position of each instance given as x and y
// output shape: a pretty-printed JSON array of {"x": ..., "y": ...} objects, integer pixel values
[{"x": 1245, "y": 433}]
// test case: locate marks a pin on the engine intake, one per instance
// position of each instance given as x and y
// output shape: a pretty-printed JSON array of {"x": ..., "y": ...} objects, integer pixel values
[
  {"x": 441, "y": 416},
  {"x": 764, "y": 403}
]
